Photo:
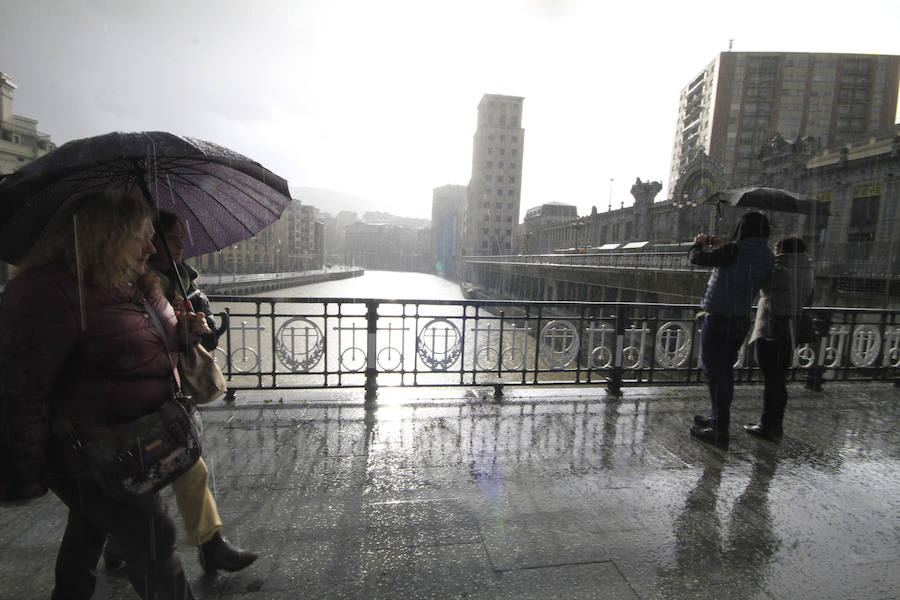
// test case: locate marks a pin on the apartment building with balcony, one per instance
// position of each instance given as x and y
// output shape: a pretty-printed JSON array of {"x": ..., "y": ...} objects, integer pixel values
[{"x": 741, "y": 100}]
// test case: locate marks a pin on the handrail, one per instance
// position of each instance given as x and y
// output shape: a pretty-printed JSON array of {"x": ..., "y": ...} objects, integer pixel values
[{"x": 309, "y": 343}]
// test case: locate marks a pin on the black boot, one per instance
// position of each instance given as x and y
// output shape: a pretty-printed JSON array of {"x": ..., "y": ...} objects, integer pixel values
[
  {"x": 710, "y": 435},
  {"x": 217, "y": 553},
  {"x": 704, "y": 421}
]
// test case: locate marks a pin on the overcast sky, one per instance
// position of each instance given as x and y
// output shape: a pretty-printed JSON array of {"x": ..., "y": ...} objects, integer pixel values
[{"x": 378, "y": 97}]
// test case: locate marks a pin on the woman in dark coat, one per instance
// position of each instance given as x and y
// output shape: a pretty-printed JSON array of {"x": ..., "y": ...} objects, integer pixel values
[
  {"x": 781, "y": 301},
  {"x": 196, "y": 503},
  {"x": 77, "y": 341}
]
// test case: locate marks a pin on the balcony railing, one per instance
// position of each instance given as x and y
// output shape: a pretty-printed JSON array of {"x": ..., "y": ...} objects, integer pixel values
[{"x": 306, "y": 343}]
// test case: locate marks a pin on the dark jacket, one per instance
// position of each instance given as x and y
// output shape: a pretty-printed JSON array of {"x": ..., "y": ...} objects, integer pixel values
[
  {"x": 740, "y": 269},
  {"x": 784, "y": 293},
  {"x": 100, "y": 367}
]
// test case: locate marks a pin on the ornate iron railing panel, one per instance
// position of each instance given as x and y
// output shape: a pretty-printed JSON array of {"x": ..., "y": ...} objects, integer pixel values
[{"x": 340, "y": 342}]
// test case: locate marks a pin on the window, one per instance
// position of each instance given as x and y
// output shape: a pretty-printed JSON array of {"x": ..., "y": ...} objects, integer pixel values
[
  {"x": 509, "y": 206},
  {"x": 500, "y": 165},
  {"x": 490, "y": 164},
  {"x": 512, "y": 178},
  {"x": 499, "y": 192},
  {"x": 498, "y": 205},
  {"x": 484, "y": 244},
  {"x": 511, "y": 193},
  {"x": 502, "y": 151},
  {"x": 499, "y": 178},
  {"x": 514, "y": 152},
  {"x": 502, "y": 137},
  {"x": 515, "y": 138}
]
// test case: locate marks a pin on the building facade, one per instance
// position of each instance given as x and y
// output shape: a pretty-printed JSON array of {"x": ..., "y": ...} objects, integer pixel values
[
  {"x": 493, "y": 198},
  {"x": 742, "y": 99},
  {"x": 448, "y": 205},
  {"x": 20, "y": 141}
]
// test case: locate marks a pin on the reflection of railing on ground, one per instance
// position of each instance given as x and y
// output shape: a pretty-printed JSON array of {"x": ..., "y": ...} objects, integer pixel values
[{"x": 334, "y": 342}]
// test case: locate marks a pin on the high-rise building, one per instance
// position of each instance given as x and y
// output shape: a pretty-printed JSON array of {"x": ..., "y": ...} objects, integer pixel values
[
  {"x": 493, "y": 198},
  {"x": 743, "y": 99}
]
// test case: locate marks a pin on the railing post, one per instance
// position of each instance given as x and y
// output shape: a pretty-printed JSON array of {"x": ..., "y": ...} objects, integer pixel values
[
  {"x": 614, "y": 381},
  {"x": 371, "y": 353},
  {"x": 816, "y": 374}
]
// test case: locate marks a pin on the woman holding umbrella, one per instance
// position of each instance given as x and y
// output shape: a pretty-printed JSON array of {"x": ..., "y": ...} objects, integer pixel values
[
  {"x": 195, "y": 501},
  {"x": 77, "y": 342}
]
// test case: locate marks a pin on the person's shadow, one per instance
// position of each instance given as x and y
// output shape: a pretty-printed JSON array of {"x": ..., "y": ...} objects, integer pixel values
[
  {"x": 704, "y": 559},
  {"x": 752, "y": 540}
]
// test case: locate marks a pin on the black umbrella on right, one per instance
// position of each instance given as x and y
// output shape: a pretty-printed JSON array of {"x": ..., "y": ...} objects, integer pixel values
[{"x": 768, "y": 198}]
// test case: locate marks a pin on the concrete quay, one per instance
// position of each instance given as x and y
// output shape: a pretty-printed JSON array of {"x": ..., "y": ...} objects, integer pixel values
[
  {"x": 554, "y": 493},
  {"x": 259, "y": 283}
]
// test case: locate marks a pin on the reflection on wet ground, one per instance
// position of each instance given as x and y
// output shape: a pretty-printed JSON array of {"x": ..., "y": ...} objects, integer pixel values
[{"x": 548, "y": 495}]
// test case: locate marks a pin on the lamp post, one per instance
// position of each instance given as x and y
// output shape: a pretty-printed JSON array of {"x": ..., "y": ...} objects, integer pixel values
[{"x": 234, "y": 263}]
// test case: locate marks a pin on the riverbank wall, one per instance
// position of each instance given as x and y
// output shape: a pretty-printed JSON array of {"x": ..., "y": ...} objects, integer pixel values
[{"x": 244, "y": 285}]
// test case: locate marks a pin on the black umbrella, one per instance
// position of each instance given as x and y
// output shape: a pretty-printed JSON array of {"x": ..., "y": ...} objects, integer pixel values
[
  {"x": 220, "y": 195},
  {"x": 767, "y": 198}
]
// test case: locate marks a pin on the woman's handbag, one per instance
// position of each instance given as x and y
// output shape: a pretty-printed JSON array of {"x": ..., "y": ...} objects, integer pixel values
[
  {"x": 143, "y": 455},
  {"x": 201, "y": 377}
]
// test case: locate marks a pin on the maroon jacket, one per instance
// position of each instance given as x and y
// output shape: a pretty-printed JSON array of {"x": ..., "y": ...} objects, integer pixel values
[{"x": 100, "y": 367}]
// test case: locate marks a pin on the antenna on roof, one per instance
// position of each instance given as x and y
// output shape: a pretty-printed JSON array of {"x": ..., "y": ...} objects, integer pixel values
[{"x": 730, "y": 44}]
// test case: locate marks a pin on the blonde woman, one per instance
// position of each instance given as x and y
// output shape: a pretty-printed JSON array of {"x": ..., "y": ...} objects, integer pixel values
[{"x": 77, "y": 341}]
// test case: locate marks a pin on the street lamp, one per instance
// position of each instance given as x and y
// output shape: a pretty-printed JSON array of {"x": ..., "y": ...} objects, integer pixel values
[{"x": 234, "y": 263}]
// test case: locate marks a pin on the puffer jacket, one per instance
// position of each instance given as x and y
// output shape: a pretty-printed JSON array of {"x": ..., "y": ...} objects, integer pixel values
[
  {"x": 784, "y": 294},
  {"x": 100, "y": 367},
  {"x": 732, "y": 287},
  {"x": 199, "y": 300}
]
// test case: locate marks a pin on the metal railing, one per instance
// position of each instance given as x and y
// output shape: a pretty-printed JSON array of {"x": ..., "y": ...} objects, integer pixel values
[{"x": 307, "y": 343}]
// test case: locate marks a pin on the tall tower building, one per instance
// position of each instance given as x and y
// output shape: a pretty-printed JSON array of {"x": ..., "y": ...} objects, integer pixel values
[
  {"x": 742, "y": 99},
  {"x": 493, "y": 198}
]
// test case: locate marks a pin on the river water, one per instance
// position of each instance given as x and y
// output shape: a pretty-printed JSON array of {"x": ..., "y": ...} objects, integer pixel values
[{"x": 383, "y": 285}]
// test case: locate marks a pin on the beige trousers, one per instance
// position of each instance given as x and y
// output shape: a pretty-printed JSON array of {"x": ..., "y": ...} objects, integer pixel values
[{"x": 196, "y": 505}]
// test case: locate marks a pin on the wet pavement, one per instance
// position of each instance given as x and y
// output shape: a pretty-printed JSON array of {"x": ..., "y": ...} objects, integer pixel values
[{"x": 551, "y": 494}]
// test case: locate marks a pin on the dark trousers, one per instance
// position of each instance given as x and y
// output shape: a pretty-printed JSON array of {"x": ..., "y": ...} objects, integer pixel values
[
  {"x": 720, "y": 341},
  {"x": 774, "y": 358},
  {"x": 142, "y": 528}
]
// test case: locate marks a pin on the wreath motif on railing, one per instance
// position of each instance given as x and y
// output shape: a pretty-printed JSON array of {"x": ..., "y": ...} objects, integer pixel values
[
  {"x": 439, "y": 344},
  {"x": 299, "y": 344},
  {"x": 673, "y": 344},
  {"x": 866, "y": 345},
  {"x": 559, "y": 343}
]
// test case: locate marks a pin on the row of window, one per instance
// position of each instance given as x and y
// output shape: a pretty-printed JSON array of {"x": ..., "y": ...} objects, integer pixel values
[
  {"x": 499, "y": 178},
  {"x": 502, "y": 151},
  {"x": 490, "y": 164},
  {"x": 513, "y": 138},
  {"x": 486, "y": 230},
  {"x": 484, "y": 245},
  {"x": 499, "y": 205}
]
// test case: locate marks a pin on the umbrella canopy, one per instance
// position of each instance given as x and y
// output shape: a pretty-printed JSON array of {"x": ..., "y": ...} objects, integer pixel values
[
  {"x": 221, "y": 196},
  {"x": 767, "y": 198}
]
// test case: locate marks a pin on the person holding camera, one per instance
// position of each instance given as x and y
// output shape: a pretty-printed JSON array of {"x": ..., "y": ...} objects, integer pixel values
[{"x": 740, "y": 268}]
